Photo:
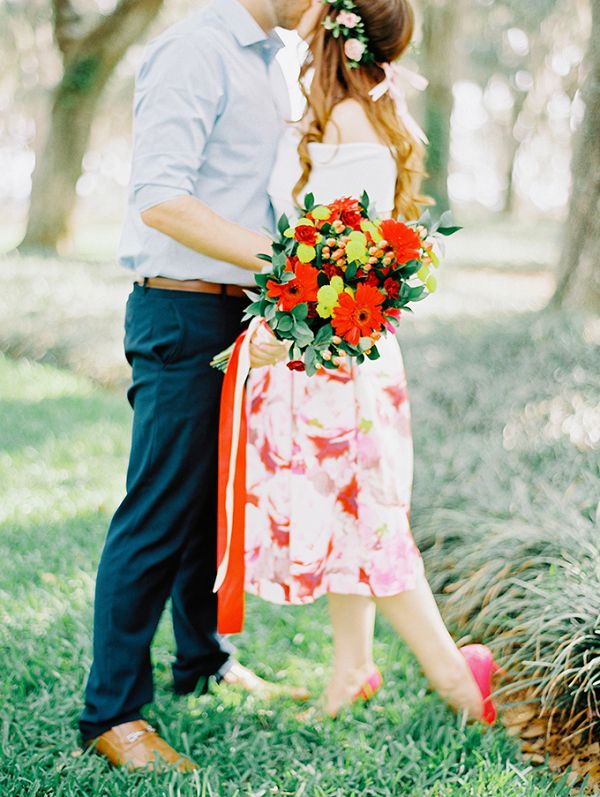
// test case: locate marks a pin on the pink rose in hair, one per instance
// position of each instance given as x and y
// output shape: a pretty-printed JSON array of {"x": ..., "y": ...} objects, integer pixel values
[
  {"x": 348, "y": 19},
  {"x": 354, "y": 49}
]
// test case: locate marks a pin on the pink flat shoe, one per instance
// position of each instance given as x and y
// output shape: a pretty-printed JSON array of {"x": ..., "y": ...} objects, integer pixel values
[
  {"x": 482, "y": 665},
  {"x": 370, "y": 686}
]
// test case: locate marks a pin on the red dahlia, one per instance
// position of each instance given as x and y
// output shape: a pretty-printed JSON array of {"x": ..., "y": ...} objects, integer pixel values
[
  {"x": 306, "y": 234},
  {"x": 391, "y": 288},
  {"x": 332, "y": 270}
]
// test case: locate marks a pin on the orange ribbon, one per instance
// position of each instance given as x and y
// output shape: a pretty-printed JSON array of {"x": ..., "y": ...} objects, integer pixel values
[{"x": 229, "y": 583}]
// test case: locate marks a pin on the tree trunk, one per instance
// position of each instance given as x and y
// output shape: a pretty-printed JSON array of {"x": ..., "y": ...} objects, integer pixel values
[
  {"x": 512, "y": 150},
  {"x": 440, "y": 25},
  {"x": 578, "y": 277},
  {"x": 89, "y": 62}
]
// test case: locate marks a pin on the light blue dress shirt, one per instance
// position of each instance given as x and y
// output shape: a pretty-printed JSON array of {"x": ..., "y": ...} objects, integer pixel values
[{"x": 209, "y": 109}]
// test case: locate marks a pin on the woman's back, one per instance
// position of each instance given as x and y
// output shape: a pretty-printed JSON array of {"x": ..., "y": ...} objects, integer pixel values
[{"x": 350, "y": 159}]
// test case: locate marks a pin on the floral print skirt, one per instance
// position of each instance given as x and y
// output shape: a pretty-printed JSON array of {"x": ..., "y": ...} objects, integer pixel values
[{"x": 329, "y": 473}]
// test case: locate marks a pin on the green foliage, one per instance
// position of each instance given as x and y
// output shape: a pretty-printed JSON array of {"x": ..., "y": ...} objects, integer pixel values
[
  {"x": 79, "y": 79},
  {"x": 343, "y": 246}
]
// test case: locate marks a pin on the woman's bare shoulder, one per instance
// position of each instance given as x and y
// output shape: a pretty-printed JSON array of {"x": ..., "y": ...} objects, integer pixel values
[{"x": 349, "y": 124}]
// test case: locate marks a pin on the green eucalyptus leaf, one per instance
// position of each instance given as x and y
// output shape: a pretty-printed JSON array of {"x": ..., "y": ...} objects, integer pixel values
[
  {"x": 324, "y": 335},
  {"x": 310, "y": 361},
  {"x": 409, "y": 269},
  {"x": 283, "y": 224},
  {"x": 302, "y": 328},
  {"x": 448, "y": 230},
  {"x": 351, "y": 270},
  {"x": 255, "y": 308},
  {"x": 285, "y": 322},
  {"x": 300, "y": 311},
  {"x": 416, "y": 293},
  {"x": 279, "y": 259},
  {"x": 446, "y": 219},
  {"x": 262, "y": 279},
  {"x": 426, "y": 220}
]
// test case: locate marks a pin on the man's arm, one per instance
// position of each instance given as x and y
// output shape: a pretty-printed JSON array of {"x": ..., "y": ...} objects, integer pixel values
[{"x": 193, "y": 224}]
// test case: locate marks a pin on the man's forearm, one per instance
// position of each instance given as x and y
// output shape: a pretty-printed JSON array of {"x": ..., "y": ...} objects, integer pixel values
[{"x": 193, "y": 224}]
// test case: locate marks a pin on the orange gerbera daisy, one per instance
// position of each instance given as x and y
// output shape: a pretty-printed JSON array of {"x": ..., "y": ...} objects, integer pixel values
[
  {"x": 301, "y": 289},
  {"x": 359, "y": 316},
  {"x": 404, "y": 241}
]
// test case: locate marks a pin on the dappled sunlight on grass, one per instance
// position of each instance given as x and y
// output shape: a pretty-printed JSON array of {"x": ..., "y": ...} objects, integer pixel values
[
  {"x": 59, "y": 447},
  {"x": 66, "y": 313},
  {"x": 64, "y": 447}
]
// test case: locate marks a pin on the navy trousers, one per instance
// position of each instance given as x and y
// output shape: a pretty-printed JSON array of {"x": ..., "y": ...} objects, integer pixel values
[{"x": 162, "y": 539}]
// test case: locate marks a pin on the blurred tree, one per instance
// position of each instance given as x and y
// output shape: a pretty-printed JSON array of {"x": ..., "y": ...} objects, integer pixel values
[
  {"x": 578, "y": 282},
  {"x": 441, "y": 24},
  {"x": 90, "y": 50}
]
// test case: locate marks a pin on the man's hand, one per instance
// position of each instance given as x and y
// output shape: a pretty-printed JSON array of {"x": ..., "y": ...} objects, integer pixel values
[{"x": 265, "y": 349}]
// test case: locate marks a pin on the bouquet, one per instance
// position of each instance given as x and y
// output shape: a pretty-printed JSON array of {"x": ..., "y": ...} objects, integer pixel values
[{"x": 339, "y": 279}]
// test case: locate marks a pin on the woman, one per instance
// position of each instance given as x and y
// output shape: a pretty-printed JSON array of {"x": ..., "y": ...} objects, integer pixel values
[{"x": 330, "y": 457}]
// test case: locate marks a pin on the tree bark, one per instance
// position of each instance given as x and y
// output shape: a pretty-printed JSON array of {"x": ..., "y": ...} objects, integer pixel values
[
  {"x": 440, "y": 26},
  {"x": 89, "y": 59},
  {"x": 578, "y": 277}
]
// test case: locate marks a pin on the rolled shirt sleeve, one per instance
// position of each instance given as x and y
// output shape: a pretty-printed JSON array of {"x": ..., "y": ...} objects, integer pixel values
[{"x": 173, "y": 120}]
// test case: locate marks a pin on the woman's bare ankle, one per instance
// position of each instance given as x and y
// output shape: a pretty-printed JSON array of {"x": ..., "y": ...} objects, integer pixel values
[
  {"x": 344, "y": 686},
  {"x": 459, "y": 689}
]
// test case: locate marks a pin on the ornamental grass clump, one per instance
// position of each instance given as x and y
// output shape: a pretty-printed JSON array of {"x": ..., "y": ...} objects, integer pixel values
[{"x": 532, "y": 594}]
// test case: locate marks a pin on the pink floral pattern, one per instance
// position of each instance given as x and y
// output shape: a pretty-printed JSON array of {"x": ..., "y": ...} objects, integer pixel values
[{"x": 329, "y": 473}]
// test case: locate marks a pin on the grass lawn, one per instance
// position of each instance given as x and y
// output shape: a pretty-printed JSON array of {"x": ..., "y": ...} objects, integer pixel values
[{"x": 505, "y": 426}]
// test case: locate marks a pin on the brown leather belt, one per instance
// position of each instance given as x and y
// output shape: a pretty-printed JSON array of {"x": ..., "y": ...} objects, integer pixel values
[{"x": 198, "y": 286}]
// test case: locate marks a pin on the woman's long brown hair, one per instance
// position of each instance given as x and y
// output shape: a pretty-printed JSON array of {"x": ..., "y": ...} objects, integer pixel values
[{"x": 388, "y": 26}]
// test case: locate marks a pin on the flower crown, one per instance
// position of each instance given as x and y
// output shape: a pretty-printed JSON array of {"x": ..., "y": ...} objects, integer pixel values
[{"x": 349, "y": 24}]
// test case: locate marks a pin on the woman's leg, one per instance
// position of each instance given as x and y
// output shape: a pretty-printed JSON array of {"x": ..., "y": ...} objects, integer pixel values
[
  {"x": 415, "y": 616},
  {"x": 353, "y": 620}
]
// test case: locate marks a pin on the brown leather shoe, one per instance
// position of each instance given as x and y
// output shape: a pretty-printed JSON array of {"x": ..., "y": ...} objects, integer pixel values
[
  {"x": 136, "y": 745},
  {"x": 248, "y": 680}
]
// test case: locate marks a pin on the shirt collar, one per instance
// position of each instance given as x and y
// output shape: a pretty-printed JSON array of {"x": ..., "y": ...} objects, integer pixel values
[{"x": 246, "y": 29}]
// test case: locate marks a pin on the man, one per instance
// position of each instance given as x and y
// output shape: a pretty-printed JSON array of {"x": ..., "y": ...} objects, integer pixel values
[{"x": 209, "y": 106}]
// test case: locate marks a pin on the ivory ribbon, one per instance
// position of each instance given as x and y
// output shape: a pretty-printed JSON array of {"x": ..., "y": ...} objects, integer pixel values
[
  {"x": 393, "y": 74},
  {"x": 229, "y": 583}
]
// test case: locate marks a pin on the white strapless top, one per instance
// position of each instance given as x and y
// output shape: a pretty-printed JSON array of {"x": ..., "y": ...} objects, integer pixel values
[{"x": 338, "y": 170}]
